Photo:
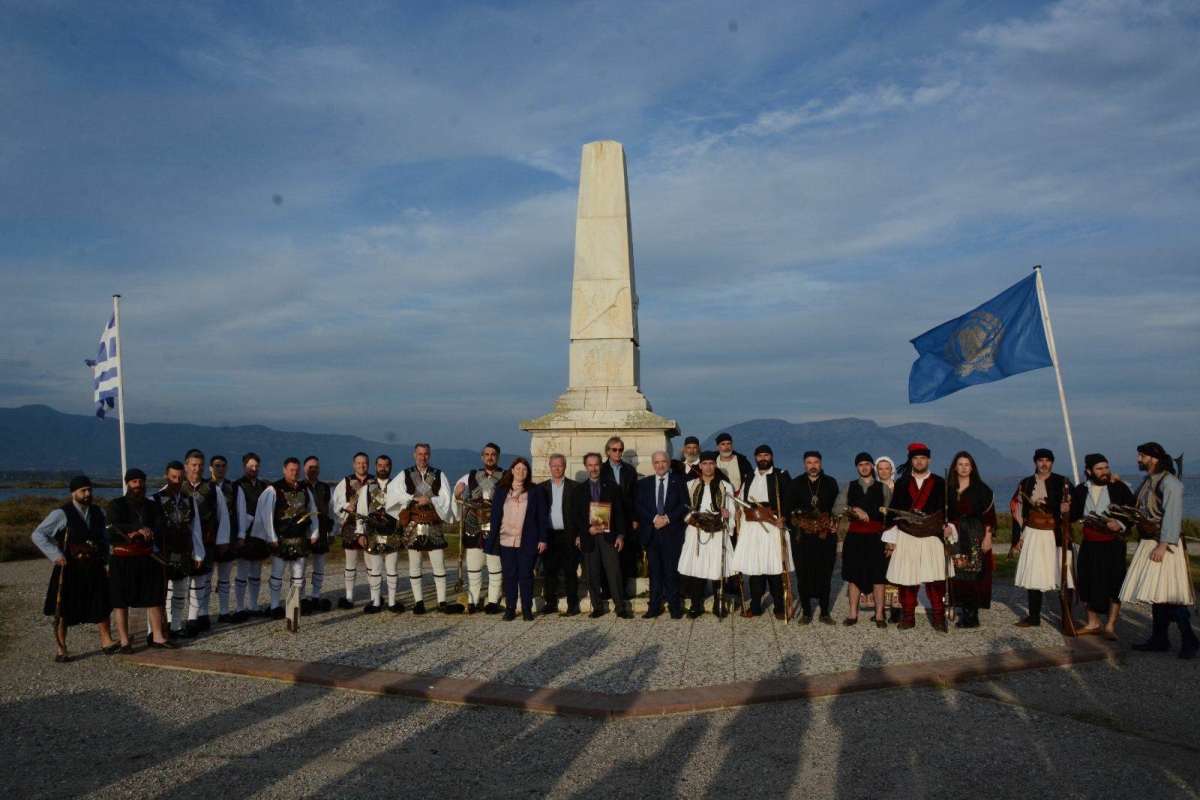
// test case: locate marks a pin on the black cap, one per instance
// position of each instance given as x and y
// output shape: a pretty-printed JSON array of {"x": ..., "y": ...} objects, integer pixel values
[
  {"x": 724, "y": 437},
  {"x": 863, "y": 456},
  {"x": 813, "y": 454},
  {"x": 691, "y": 440},
  {"x": 1092, "y": 459},
  {"x": 1043, "y": 452},
  {"x": 79, "y": 482},
  {"x": 134, "y": 474},
  {"x": 708, "y": 455},
  {"x": 764, "y": 448},
  {"x": 1155, "y": 450}
]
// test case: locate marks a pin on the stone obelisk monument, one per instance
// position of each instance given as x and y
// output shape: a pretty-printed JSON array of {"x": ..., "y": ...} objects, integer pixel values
[{"x": 602, "y": 398}]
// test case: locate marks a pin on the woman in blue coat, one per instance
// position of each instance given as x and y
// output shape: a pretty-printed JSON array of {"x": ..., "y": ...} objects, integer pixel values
[{"x": 520, "y": 518}]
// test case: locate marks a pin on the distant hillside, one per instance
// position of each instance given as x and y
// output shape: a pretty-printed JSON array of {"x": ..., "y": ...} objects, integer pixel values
[
  {"x": 40, "y": 438},
  {"x": 840, "y": 440}
]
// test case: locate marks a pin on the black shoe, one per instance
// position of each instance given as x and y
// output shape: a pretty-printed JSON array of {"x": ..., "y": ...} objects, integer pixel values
[
  {"x": 115, "y": 647},
  {"x": 371, "y": 608},
  {"x": 203, "y": 623},
  {"x": 551, "y": 607},
  {"x": 322, "y": 604},
  {"x": 806, "y": 619},
  {"x": 125, "y": 649},
  {"x": 676, "y": 615},
  {"x": 59, "y": 658},
  {"x": 492, "y": 608},
  {"x": 624, "y": 615},
  {"x": 881, "y": 624},
  {"x": 652, "y": 614},
  {"x": 510, "y": 615},
  {"x": 849, "y": 621},
  {"x": 755, "y": 609},
  {"x": 167, "y": 645},
  {"x": 527, "y": 616},
  {"x": 226, "y": 618},
  {"x": 896, "y": 616},
  {"x": 239, "y": 617},
  {"x": 277, "y": 612},
  {"x": 573, "y": 611},
  {"x": 1151, "y": 646},
  {"x": 396, "y": 607},
  {"x": 596, "y": 614},
  {"x": 173, "y": 634},
  {"x": 261, "y": 612},
  {"x": 695, "y": 612},
  {"x": 305, "y": 607},
  {"x": 419, "y": 607},
  {"x": 191, "y": 631},
  {"x": 1189, "y": 653},
  {"x": 450, "y": 608},
  {"x": 344, "y": 603},
  {"x": 826, "y": 619}
]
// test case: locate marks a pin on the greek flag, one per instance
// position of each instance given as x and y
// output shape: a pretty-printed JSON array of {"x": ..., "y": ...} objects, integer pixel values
[
  {"x": 1004, "y": 336},
  {"x": 106, "y": 381}
]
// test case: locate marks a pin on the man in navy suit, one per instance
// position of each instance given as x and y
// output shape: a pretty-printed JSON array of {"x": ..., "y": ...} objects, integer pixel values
[{"x": 660, "y": 507}]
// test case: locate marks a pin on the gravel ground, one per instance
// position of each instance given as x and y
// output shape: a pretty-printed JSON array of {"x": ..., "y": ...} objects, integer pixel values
[{"x": 103, "y": 728}]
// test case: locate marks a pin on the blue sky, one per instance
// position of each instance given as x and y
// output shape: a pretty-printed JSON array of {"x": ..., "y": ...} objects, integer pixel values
[{"x": 360, "y": 218}]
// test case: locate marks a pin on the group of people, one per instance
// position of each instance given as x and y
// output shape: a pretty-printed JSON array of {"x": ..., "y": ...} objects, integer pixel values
[{"x": 710, "y": 522}]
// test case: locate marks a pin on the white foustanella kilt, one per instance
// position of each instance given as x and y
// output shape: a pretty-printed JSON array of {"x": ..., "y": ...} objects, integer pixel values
[
  {"x": 1040, "y": 565},
  {"x": 758, "y": 550},
  {"x": 701, "y": 556},
  {"x": 917, "y": 560},
  {"x": 1165, "y": 582}
]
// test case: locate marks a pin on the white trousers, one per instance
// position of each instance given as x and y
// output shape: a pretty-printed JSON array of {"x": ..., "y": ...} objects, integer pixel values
[
  {"x": 476, "y": 561},
  {"x": 318, "y": 575},
  {"x": 224, "y": 570},
  {"x": 249, "y": 576},
  {"x": 437, "y": 562},
  {"x": 278, "y": 565},
  {"x": 198, "y": 596},
  {"x": 377, "y": 566},
  {"x": 177, "y": 608}
]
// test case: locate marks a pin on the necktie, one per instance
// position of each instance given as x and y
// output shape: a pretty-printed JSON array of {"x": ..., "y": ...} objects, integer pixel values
[
  {"x": 661, "y": 500},
  {"x": 595, "y": 491}
]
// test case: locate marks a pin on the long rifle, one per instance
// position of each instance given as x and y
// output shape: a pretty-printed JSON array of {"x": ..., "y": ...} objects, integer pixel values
[
  {"x": 783, "y": 551},
  {"x": 62, "y": 579},
  {"x": 1064, "y": 592}
]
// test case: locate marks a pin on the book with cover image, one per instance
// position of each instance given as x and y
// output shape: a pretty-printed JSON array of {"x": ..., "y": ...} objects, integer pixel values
[{"x": 600, "y": 515}]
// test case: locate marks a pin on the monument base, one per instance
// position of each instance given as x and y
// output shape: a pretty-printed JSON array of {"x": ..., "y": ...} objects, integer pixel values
[{"x": 575, "y": 430}]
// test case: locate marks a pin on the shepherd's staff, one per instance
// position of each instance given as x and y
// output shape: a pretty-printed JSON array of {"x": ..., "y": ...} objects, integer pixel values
[
  {"x": 787, "y": 581},
  {"x": 61, "y": 641}
]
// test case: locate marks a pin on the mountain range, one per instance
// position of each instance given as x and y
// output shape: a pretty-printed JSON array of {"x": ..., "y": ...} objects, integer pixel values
[{"x": 37, "y": 438}]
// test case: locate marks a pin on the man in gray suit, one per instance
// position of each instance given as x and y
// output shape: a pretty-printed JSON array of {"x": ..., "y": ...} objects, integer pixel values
[{"x": 563, "y": 552}]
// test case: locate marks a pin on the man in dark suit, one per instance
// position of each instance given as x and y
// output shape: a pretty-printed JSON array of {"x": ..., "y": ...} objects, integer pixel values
[
  {"x": 601, "y": 546},
  {"x": 660, "y": 509},
  {"x": 563, "y": 552},
  {"x": 625, "y": 476}
]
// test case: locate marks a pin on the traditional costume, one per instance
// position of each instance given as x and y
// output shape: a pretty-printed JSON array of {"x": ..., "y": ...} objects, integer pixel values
[
  {"x": 423, "y": 532},
  {"x": 762, "y": 545},
  {"x": 1167, "y": 584},
  {"x": 77, "y": 532},
  {"x": 252, "y": 550},
  {"x": 346, "y": 525},
  {"x": 864, "y": 563},
  {"x": 707, "y": 549},
  {"x": 287, "y": 518},
  {"x": 972, "y": 512},
  {"x": 226, "y": 559},
  {"x": 183, "y": 546},
  {"x": 814, "y": 538},
  {"x": 479, "y": 486},
  {"x": 1102, "y": 567},
  {"x": 687, "y": 466},
  {"x": 214, "y": 528},
  {"x": 1038, "y": 536},
  {"x": 385, "y": 540},
  {"x": 916, "y": 518},
  {"x": 323, "y": 496},
  {"x": 135, "y": 578},
  {"x": 735, "y": 467}
]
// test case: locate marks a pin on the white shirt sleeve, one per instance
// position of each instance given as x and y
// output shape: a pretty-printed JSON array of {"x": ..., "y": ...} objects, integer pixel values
[
  {"x": 314, "y": 521},
  {"x": 244, "y": 520},
  {"x": 222, "y": 517},
  {"x": 443, "y": 501},
  {"x": 890, "y": 535},
  {"x": 336, "y": 503},
  {"x": 264, "y": 516},
  {"x": 197, "y": 537},
  {"x": 398, "y": 497},
  {"x": 362, "y": 506}
]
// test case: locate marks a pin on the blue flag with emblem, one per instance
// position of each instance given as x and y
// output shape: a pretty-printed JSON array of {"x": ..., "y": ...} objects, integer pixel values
[{"x": 1004, "y": 336}]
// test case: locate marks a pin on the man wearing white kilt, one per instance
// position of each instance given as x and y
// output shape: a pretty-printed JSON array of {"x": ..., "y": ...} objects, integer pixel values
[
  {"x": 1041, "y": 501},
  {"x": 915, "y": 542},
  {"x": 707, "y": 551},
  {"x": 425, "y": 493},
  {"x": 380, "y": 539},
  {"x": 1159, "y": 573},
  {"x": 344, "y": 504},
  {"x": 762, "y": 544},
  {"x": 477, "y": 488},
  {"x": 286, "y": 519}
]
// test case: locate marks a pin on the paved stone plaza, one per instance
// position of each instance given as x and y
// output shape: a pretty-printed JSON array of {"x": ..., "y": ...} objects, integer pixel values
[{"x": 113, "y": 729}]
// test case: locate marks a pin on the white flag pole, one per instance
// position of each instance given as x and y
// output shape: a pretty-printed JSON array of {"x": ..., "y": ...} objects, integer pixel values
[
  {"x": 1062, "y": 395},
  {"x": 120, "y": 380}
]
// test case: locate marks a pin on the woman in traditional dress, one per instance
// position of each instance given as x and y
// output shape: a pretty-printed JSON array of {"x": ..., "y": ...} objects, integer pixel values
[{"x": 971, "y": 511}]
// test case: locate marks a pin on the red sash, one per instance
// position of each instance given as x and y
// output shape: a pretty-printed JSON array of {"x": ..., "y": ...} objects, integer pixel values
[
  {"x": 870, "y": 526},
  {"x": 1093, "y": 533}
]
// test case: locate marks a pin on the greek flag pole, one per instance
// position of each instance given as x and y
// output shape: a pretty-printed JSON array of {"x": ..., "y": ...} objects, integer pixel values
[
  {"x": 1062, "y": 395},
  {"x": 121, "y": 375}
]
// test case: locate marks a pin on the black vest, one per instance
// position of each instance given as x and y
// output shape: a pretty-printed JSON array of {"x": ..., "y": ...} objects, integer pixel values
[
  {"x": 229, "y": 495},
  {"x": 210, "y": 516},
  {"x": 250, "y": 492},
  {"x": 289, "y": 504},
  {"x": 322, "y": 494},
  {"x": 870, "y": 500},
  {"x": 90, "y": 530}
]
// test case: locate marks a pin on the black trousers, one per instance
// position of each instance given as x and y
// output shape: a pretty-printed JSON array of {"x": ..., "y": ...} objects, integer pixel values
[
  {"x": 759, "y": 583},
  {"x": 562, "y": 556},
  {"x": 603, "y": 561}
]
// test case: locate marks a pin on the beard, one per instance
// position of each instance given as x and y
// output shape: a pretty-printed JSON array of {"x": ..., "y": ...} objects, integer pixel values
[
  {"x": 383, "y": 474},
  {"x": 1100, "y": 481},
  {"x": 765, "y": 464},
  {"x": 1143, "y": 466},
  {"x": 137, "y": 494}
]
